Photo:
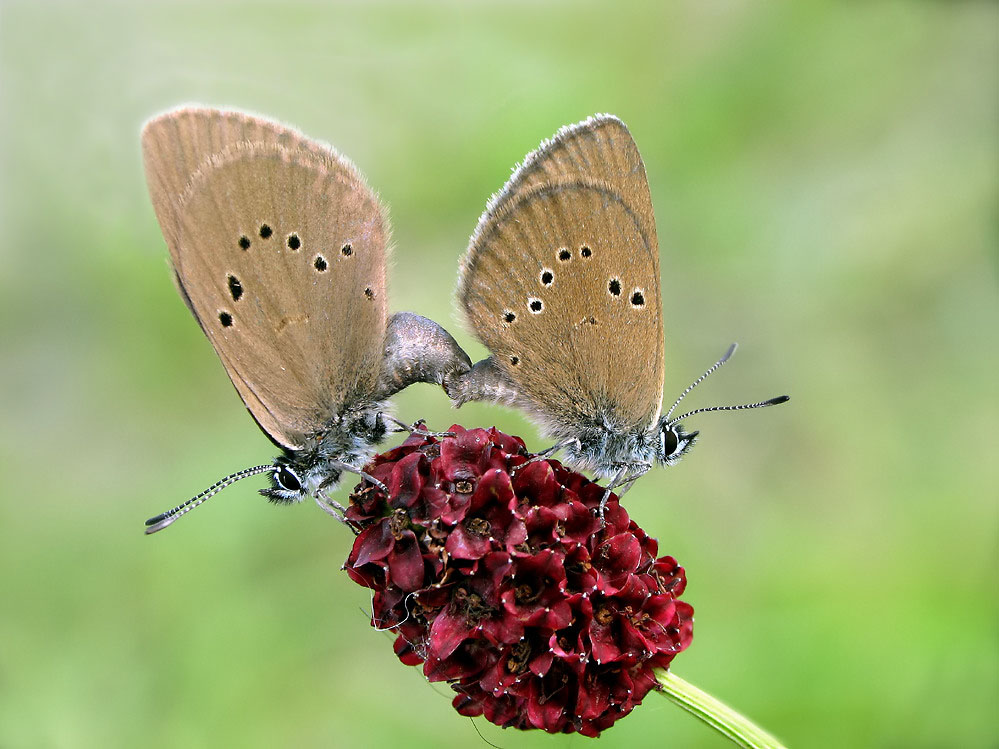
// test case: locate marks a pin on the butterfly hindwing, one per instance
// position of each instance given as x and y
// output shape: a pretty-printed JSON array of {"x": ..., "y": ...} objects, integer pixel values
[
  {"x": 561, "y": 279},
  {"x": 279, "y": 247}
]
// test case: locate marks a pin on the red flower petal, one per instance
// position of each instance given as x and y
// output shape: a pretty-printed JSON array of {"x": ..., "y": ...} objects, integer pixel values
[
  {"x": 465, "y": 455},
  {"x": 615, "y": 560},
  {"x": 447, "y": 632},
  {"x": 407, "y": 480},
  {"x": 373, "y": 544},
  {"x": 536, "y": 484},
  {"x": 406, "y": 563}
]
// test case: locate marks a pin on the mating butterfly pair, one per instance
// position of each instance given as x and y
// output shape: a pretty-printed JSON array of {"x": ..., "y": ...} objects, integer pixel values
[{"x": 279, "y": 250}]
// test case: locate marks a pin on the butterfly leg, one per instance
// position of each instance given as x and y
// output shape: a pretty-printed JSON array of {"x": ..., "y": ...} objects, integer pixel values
[
  {"x": 372, "y": 480},
  {"x": 616, "y": 481},
  {"x": 630, "y": 481},
  {"x": 331, "y": 507},
  {"x": 417, "y": 430},
  {"x": 334, "y": 509},
  {"x": 401, "y": 425},
  {"x": 363, "y": 474},
  {"x": 547, "y": 452}
]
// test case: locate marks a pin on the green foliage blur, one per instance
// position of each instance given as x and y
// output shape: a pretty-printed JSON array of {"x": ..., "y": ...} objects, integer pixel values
[{"x": 826, "y": 189}]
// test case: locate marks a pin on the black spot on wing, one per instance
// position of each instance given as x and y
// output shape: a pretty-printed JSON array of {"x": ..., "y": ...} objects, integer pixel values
[{"x": 235, "y": 288}]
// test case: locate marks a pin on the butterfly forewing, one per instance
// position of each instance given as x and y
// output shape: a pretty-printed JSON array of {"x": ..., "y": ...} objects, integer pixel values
[
  {"x": 561, "y": 280},
  {"x": 281, "y": 252}
]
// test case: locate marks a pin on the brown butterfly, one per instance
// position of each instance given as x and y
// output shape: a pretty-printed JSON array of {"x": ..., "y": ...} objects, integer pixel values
[
  {"x": 561, "y": 284},
  {"x": 278, "y": 248}
]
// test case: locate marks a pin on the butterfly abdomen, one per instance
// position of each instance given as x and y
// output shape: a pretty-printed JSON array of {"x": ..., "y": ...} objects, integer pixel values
[
  {"x": 484, "y": 381},
  {"x": 418, "y": 350}
]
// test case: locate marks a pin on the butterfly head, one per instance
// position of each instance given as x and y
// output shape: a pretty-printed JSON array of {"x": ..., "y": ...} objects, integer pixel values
[
  {"x": 293, "y": 480},
  {"x": 286, "y": 485}
]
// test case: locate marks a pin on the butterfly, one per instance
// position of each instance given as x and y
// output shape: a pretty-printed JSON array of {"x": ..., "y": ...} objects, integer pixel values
[
  {"x": 561, "y": 283},
  {"x": 278, "y": 248}
]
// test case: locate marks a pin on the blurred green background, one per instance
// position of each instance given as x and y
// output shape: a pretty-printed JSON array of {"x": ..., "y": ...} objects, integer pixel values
[{"x": 825, "y": 182}]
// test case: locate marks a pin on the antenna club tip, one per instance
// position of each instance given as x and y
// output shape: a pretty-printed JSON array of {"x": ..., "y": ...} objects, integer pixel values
[
  {"x": 779, "y": 399},
  {"x": 159, "y": 522}
]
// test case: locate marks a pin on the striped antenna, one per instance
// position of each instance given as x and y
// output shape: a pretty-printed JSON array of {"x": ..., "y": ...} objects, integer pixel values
[
  {"x": 161, "y": 521},
  {"x": 772, "y": 402},
  {"x": 702, "y": 378}
]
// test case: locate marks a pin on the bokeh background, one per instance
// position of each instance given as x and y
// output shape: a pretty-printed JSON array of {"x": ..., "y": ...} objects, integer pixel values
[{"x": 825, "y": 182}]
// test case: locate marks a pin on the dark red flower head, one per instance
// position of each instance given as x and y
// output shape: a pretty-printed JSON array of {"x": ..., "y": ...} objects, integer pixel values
[{"x": 500, "y": 579}]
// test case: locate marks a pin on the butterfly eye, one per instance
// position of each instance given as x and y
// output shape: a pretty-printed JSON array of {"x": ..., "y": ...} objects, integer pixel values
[
  {"x": 670, "y": 442},
  {"x": 287, "y": 479}
]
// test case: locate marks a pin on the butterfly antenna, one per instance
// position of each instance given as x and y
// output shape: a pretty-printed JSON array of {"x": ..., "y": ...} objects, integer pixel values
[
  {"x": 702, "y": 378},
  {"x": 772, "y": 402},
  {"x": 161, "y": 521}
]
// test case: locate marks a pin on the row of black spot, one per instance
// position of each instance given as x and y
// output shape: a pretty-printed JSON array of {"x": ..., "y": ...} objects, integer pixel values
[
  {"x": 614, "y": 289},
  {"x": 547, "y": 278},
  {"x": 293, "y": 241},
  {"x": 236, "y": 290},
  {"x": 613, "y": 286},
  {"x": 584, "y": 250},
  {"x": 265, "y": 233}
]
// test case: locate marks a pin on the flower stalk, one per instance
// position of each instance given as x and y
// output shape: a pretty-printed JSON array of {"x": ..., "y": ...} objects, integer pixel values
[{"x": 731, "y": 724}]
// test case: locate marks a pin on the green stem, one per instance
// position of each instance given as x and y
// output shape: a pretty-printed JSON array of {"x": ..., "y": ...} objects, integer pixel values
[{"x": 739, "y": 729}]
